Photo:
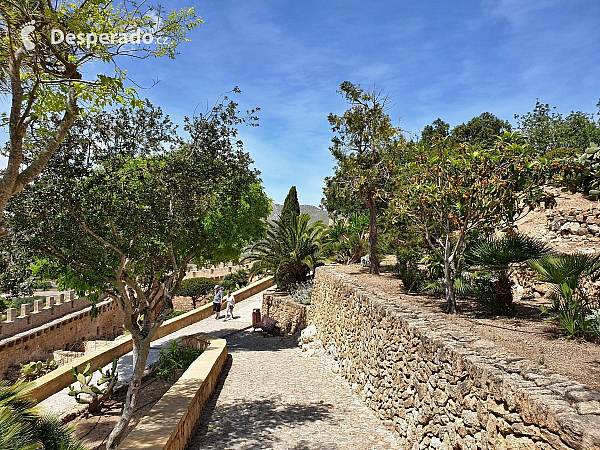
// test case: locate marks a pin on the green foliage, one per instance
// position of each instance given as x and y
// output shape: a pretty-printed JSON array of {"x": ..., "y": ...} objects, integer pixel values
[
  {"x": 593, "y": 321},
  {"x": 571, "y": 304},
  {"x": 174, "y": 358},
  {"x": 482, "y": 130},
  {"x": 34, "y": 370},
  {"x": 196, "y": 288},
  {"x": 50, "y": 81},
  {"x": 450, "y": 192},
  {"x": 546, "y": 129},
  {"x": 500, "y": 256},
  {"x": 408, "y": 269},
  {"x": 291, "y": 250},
  {"x": 90, "y": 393},
  {"x": 364, "y": 145},
  {"x": 23, "y": 428},
  {"x": 175, "y": 314},
  {"x": 291, "y": 205},
  {"x": 348, "y": 239},
  {"x": 236, "y": 280},
  {"x": 302, "y": 293}
]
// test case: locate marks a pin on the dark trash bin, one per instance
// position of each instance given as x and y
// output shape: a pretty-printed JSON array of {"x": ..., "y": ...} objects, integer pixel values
[{"x": 256, "y": 316}]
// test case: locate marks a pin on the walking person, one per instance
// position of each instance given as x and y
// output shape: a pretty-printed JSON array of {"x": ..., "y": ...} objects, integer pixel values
[
  {"x": 217, "y": 301},
  {"x": 230, "y": 305}
]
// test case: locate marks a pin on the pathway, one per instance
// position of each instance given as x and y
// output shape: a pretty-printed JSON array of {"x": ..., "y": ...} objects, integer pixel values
[{"x": 270, "y": 395}]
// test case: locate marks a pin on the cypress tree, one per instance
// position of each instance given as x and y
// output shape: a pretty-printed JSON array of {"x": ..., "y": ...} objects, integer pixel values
[{"x": 290, "y": 205}]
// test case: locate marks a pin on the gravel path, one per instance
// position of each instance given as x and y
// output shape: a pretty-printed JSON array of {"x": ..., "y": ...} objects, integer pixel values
[{"x": 269, "y": 395}]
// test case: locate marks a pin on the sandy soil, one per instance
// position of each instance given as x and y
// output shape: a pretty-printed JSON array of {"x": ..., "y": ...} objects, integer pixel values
[{"x": 526, "y": 335}]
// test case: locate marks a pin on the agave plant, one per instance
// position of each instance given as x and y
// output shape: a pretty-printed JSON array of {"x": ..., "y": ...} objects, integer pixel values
[
  {"x": 501, "y": 256},
  {"x": 571, "y": 304},
  {"x": 291, "y": 250},
  {"x": 23, "y": 428}
]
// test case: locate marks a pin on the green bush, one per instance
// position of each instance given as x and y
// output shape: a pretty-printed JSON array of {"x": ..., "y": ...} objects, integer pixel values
[
  {"x": 175, "y": 358},
  {"x": 34, "y": 370},
  {"x": 236, "y": 280},
  {"x": 174, "y": 314},
  {"x": 196, "y": 288},
  {"x": 407, "y": 269}
]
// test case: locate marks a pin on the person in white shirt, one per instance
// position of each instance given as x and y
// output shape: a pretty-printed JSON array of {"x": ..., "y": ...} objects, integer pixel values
[{"x": 230, "y": 305}]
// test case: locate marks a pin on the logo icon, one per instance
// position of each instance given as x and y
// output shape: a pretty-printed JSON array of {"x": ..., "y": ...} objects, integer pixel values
[{"x": 26, "y": 32}]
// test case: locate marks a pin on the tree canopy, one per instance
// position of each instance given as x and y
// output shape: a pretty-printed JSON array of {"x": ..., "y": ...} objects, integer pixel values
[
  {"x": 124, "y": 208},
  {"x": 291, "y": 205},
  {"x": 48, "y": 80}
]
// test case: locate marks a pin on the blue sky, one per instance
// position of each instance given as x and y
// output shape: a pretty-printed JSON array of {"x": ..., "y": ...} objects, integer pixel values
[{"x": 447, "y": 59}]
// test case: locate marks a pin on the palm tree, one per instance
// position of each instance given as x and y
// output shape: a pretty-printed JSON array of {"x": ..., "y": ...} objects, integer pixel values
[
  {"x": 501, "y": 256},
  {"x": 23, "y": 428},
  {"x": 565, "y": 272},
  {"x": 291, "y": 250}
]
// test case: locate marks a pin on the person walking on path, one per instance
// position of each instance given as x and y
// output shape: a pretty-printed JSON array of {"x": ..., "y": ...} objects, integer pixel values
[
  {"x": 217, "y": 301},
  {"x": 230, "y": 305}
]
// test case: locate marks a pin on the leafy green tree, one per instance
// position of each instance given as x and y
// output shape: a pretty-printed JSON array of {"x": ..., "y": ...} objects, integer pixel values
[
  {"x": 196, "y": 288},
  {"x": 502, "y": 256},
  {"x": 236, "y": 280},
  {"x": 482, "y": 130},
  {"x": 348, "y": 239},
  {"x": 128, "y": 221},
  {"x": 22, "y": 427},
  {"x": 547, "y": 130},
  {"x": 437, "y": 130},
  {"x": 291, "y": 250},
  {"x": 291, "y": 205},
  {"x": 46, "y": 79},
  {"x": 363, "y": 145},
  {"x": 450, "y": 193}
]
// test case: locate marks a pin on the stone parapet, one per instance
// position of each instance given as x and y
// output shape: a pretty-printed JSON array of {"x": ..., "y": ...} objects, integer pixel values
[
  {"x": 437, "y": 387},
  {"x": 289, "y": 314}
]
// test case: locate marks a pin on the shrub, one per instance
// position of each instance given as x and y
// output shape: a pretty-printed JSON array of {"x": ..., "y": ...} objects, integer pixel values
[
  {"x": 22, "y": 427},
  {"x": 236, "y": 280},
  {"x": 175, "y": 358},
  {"x": 407, "y": 269},
  {"x": 90, "y": 393},
  {"x": 571, "y": 305},
  {"x": 196, "y": 288},
  {"x": 174, "y": 314},
  {"x": 593, "y": 320},
  {"x": 302, "y": 293}
]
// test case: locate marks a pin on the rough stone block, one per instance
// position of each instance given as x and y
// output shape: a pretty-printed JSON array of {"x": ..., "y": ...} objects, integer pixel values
[
  {"x": 25, "y": 309},
  {"x": 11, "y": 314},
  {"x": 38, "y": 305},
  {"x": 49, "y": 302}
]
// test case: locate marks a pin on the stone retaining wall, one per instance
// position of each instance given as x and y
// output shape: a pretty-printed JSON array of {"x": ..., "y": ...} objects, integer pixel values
[
  {"x": 440, "y": 388},
  {"x": 41, "y": 342},
  {"x": 581, "y": 222},
  {"x": 289, "y": 314}
]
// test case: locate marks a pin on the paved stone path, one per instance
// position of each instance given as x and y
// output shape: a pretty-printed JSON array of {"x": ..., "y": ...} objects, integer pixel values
[{"x": 271, "y": 396}]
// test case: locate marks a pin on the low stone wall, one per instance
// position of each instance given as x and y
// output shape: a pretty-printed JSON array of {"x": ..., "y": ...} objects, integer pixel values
[
  {"x": 441, "y": 388},
  {"x": 60, "y": 334},
  {"x": 581, "y": 222},
  {"x": 170, "y": 423},
  {"x": 43, "y": 312},
  {"x": 289, "y": 314}
]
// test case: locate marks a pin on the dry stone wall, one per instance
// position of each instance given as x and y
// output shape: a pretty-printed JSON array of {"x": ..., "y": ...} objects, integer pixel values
[
  {"x": 289, "y": 314},
  {"x": 580, "y": 222},
  {"x": 442, "y": 388},
  {"x": 61, "y": 334}
]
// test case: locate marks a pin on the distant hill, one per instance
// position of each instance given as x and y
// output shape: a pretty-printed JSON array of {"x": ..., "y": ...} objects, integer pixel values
[{"x": 314, "y": 213}]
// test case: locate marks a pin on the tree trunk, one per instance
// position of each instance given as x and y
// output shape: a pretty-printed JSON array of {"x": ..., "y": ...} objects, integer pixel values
[
  {"x": 449, "y": 286},
  {"x": 374, "y": 261},
  {"x": 141, "y": 349},
  {"x": 504, "y": 295}
]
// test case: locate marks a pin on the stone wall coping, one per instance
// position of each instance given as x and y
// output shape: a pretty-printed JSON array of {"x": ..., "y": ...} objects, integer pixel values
[
  {"x": 569, "y": 408},
  {"x": 170, "y": 422}
]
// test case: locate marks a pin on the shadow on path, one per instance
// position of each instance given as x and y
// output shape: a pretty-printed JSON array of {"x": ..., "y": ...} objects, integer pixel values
[{"x": 250, "y": 424}]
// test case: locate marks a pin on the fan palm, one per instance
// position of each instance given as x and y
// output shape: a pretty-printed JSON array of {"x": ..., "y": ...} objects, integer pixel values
[
  {"x": 565, "y": 272},
  {"x": 501, "y": 256},
  {"x": 22, "y": 427},
  {"x": 291, "y": 250}
]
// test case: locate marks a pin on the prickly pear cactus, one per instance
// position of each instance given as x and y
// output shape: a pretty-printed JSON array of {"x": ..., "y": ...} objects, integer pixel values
[
  {"x": 590, "y": 160},
  {"x": 34, "y": 370},
  {"x": 94, "y": 394}
]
